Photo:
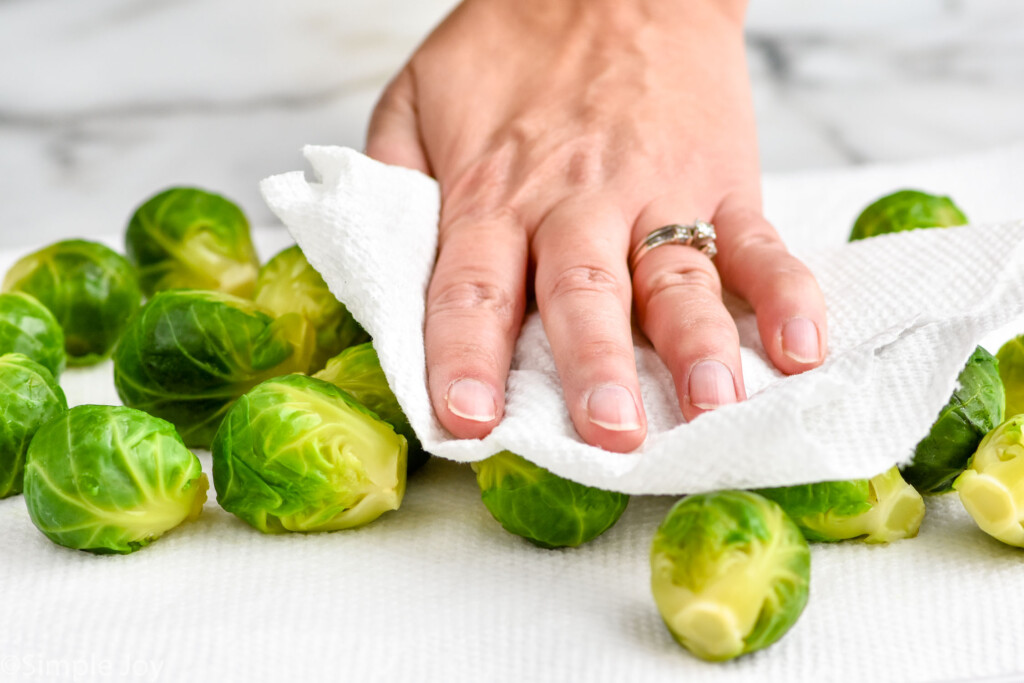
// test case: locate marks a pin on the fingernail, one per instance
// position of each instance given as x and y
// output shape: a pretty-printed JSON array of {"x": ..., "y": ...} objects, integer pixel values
[
  {"x": 471, "y": 399},
  {"x": 800, "y": 340},
  {"x": 711, "y": 385},
  {"x": 613, "y": 408}
]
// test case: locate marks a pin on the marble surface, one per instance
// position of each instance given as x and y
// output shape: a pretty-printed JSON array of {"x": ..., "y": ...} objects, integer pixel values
[{"x": 104, "y": 102}]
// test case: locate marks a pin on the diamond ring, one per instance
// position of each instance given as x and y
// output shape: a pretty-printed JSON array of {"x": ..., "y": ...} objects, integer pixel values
[{"x": 700, "y": 236}]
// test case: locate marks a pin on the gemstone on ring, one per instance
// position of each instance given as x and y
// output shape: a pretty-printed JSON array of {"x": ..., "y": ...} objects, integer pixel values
[{"x": 700, "y": 235}]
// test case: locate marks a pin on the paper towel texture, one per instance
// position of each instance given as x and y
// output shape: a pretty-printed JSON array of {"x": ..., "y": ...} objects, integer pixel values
[{"x": 905, "y": 312}]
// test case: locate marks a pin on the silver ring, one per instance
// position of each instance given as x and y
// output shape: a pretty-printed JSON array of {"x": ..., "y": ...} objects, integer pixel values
[{"x": 700, "y": 236}]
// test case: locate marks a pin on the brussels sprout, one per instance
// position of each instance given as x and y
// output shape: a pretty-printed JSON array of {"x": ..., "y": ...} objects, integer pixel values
[
  {"x": 29, "y": 398},
  {"x": 992, "y": 486},
  {"x": 188, "y": 354},
  {"x": 877, "y": 510},
  {"x": 975, "y": 407},
  {"x": 299, "y": 454},
  {"x": 288, "y": 284},
  {"x": 906, "y": 210},
  {"x": 1011, "y": 371},
  {"x": 729, "y": 573},
  {"x": 186, "y": 237},
  {"x": 91, "y": 290},
  {"x": 29, "y": 328},
  {"x": 357, "y": 371},
  {"x": 110, "y": 479},
  {"x": 542, "y": 507}
]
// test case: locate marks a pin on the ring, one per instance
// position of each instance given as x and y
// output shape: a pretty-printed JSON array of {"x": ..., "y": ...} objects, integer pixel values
[{"x": 700, "y": 236}]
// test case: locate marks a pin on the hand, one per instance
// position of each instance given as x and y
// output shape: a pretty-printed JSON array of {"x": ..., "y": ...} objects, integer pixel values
[{"x": 562, "y": 132}]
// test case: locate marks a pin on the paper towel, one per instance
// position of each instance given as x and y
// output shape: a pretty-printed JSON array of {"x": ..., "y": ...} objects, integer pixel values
[{"x": 905, "y": 312}]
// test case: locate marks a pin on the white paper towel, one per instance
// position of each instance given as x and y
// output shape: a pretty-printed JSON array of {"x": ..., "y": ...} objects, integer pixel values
[{"x": 905, "y": 312}]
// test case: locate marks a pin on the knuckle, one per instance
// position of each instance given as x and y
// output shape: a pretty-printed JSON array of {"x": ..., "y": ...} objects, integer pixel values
[
  {"x": 584, "y": 280},
  {"x": 475, "y": 296},
  {"x": 470, "y": 357},
  {"x": 601, "y": 353},
  {"x": 689, "y": 282}
]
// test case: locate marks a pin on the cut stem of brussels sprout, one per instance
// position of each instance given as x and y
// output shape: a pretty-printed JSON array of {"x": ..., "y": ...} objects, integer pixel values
[
  {"x": 878, "y": 510},
  {"x": 729, "y": 573},
  {"x": 298, "y": 454},
  {"x": 992, "y": 486},
  {"x": 110, "y": 479},
  {"x": 545, "y": 509},
  {"x": 357, "y": 371}
]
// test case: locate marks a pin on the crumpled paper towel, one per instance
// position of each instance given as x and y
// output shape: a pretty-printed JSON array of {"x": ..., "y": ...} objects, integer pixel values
[{"x": 905, "y": 312}]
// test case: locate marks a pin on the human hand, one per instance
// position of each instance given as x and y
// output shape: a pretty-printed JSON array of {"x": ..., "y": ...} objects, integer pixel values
[{"x": 562, "y": 132}]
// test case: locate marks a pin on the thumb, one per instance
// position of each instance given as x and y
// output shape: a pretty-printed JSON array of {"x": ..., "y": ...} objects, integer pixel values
[{"x": 394, "y": 134}]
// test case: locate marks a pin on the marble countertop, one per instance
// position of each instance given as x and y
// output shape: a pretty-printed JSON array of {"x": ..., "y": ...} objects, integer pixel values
[{"x": 103, "y": 103}]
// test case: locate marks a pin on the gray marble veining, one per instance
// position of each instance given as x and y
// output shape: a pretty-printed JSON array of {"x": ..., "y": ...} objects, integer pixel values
[{"x": 104, "y": 102}]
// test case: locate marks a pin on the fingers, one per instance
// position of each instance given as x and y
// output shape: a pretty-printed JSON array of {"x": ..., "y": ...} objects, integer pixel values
[
  {"x": 583, "y": 292},
  {"x": 394, "y": 137},
  {"x": 790, "y": 308},
  {"x": 679, "y": 308},
  {"x": 475, "y": 306}
]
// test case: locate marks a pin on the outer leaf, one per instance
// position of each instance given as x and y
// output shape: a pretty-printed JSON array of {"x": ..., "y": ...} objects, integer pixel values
[
  {"x": 906, "y": 210},
  {"x": 29, "y": 398},
  {"x": 28, "y": 327},
  {"x": 1011, "y": 370},
  {"x": 299, "y": 454},
  {"x": 110, "y": 479},
  {"x": 288, "y": 284},
  {"x": 187, "y": 237},
  {"x": 975, "y": 407},
  {"x": 91, "y": 290},
  {"x": 188, "y": 355},
  {"x": 542, "y": 507}
]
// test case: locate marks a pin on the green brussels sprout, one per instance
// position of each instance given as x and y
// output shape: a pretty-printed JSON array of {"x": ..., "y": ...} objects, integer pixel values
[
  {"x": 91, "y": 290},
  {"x": 543, "y": 508},
  {"x": 188, "y": 354},
  {"x": 28, "y": 327},
  {"x": 186, "y": 237},
  {"x": 729, "y": 573},
  {"x": 975, "y": 407},
  {"x": 288, "y": 284},
  {"x": 992, "y": 486},
  {"x": 110, "y": 479},
  {"x": 357, "y": 371},
  {"x": 882, "y": 509},
  {"x": 29, "y": 398},
  {"x": 906, "y": 210},
  {"x": 1011, "y": 371},
  {"x": 299, "y": 454}
]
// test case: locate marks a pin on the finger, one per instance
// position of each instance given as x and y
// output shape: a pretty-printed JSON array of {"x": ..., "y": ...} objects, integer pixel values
[
  {"x": 790, "y": 308},
  {"x": 475, "y": 306},
  {"x": 394, "y": 135},
  {"x": 679, "y": 307},
  {"x": 583, "y": 292}
]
